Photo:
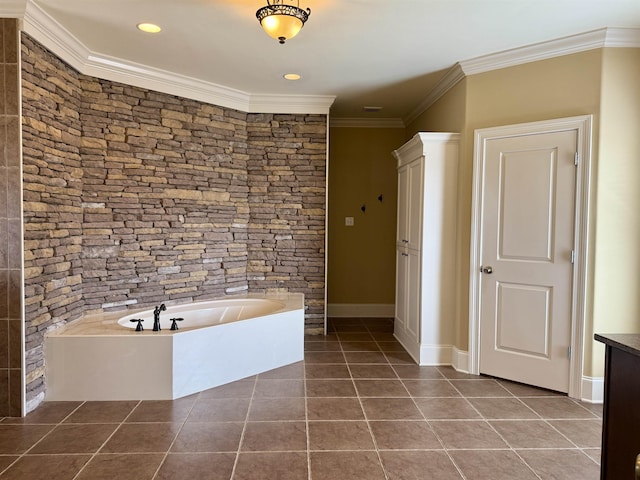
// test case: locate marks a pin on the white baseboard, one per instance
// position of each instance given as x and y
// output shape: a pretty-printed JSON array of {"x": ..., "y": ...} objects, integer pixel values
[
  {"x": 361, "y": 310},
  {"x": 436, "y": 355},
  {"x": 460, "y": 360},
  {"x": 593, "y": 389}
]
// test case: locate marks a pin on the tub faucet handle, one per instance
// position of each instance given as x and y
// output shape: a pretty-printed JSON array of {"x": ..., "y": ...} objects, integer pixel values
[
  {"x": 139, "y": 327},
  {"x": 174, "y": 325}
]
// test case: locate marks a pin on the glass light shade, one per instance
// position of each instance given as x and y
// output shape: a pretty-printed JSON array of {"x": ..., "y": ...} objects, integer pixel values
[
  {"x": 281, "y": 20},
  {"x": 281, "y": 26}
]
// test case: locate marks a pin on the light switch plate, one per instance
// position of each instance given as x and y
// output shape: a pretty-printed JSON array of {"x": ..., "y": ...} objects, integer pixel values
[{"x": 348, "y": 221}]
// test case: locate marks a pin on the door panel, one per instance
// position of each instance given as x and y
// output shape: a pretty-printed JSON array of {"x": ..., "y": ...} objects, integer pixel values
[
  {"x": 527, "y": 204},
  {"x": 523, "y": 314},
  {"x": 527, "y": 238}
]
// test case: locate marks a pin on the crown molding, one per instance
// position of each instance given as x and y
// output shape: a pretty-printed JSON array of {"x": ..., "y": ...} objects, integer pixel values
[
  {"x": 356, "y": 122},
  {"x": 582, "y": 42},
  {"x": 47, "y": 31},
  {"x": 52, "y": 35},
  {"x": 622, "y": 38},
  {"x": 446, "y": 83}
]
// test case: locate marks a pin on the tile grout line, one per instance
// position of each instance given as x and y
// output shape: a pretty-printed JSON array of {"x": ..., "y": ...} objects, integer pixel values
[
  {"x": 306, "y": 415},
  {"x": 94, "y": 455},
  {"x": 438, "y": 437},
  {"x": 244, "y": 427},
  {"x": 41, "y": 439},
  {"x": 166, "y": 454},
  {"x": 366, "y": 419}
]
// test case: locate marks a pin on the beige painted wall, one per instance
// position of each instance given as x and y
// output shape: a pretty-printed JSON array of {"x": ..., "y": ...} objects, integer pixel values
[
  {"x": 560, "y": 87},
  {"x": 448, "y": 114},
  {"x": 554, "y": 88},
  {"x": 616, "y": 292},
  {"x": 361, "y": 259}
]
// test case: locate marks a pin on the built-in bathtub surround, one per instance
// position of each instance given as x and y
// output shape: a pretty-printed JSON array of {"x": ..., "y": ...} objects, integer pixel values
[
  {"x": 10, "y": 223},
  {"x": 101, "y": 357},
  {"x": 133, "y": 198}
]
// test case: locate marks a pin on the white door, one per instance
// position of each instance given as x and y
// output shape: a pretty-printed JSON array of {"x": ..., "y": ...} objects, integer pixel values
[{"x": 526, "y": 258}]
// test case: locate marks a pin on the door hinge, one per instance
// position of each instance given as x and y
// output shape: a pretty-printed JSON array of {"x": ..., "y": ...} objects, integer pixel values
[
  {"x": 576, "y": 159},
  {"x": 569, "y": 352},
  {"x": 573, "y": 256}
]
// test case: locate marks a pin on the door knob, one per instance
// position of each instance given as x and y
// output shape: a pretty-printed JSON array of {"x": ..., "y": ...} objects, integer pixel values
[{"x": 487, "y": 270}]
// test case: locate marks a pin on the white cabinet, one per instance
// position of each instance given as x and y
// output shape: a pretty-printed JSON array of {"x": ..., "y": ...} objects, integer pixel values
[{"x": 426, "y": 246}]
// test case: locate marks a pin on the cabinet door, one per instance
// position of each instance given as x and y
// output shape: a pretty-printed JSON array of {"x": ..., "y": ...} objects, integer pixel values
[
  {"x": 401, "y": 289},
  {"x": 412, "y": 292},
  {"x": 414, "y": 208}
]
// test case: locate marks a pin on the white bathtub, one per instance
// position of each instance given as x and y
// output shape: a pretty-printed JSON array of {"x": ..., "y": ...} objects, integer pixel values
[{"x": 102, "y": 357}]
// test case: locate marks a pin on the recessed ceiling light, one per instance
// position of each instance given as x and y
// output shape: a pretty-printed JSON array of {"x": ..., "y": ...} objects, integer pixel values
[
  {"x": 148, "y": 27},
  {"x": 292, "y": 76}
]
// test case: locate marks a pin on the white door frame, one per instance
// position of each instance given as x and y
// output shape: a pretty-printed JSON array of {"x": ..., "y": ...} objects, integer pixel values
[{"x": 583, "y": 125}]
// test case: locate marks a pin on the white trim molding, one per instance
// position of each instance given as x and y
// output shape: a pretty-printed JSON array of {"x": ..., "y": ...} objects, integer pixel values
[
  {"x": 47, "y": 31},
  {"x": 361, "y": 310},
  {"x": 435, "y": 355},
  {"x": 460, "y": 360},
  {"x": 446, "y": 83},
  {"x": 582, "y": 42},
  {"x": 593, "y": 389},
  {"x": 583, "y": 126}
]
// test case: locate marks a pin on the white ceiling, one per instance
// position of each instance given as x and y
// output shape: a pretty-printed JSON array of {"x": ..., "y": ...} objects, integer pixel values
[{"x": 387, "y": 53}]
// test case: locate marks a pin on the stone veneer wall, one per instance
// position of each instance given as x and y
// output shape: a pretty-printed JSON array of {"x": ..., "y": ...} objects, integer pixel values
[
  {"x": 287, "y": 196},
  {"x": 134, "y": 197},
  {"x": 10, "y": 224}
]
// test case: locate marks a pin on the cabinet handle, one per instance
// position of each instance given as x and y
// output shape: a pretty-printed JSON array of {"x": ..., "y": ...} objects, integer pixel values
[
  {"x": 405, "y": 254},
  {"x": 405, "y": 241}
]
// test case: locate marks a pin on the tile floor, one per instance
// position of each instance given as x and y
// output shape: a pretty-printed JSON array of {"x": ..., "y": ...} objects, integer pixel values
[{"x": 357, "y": 408}]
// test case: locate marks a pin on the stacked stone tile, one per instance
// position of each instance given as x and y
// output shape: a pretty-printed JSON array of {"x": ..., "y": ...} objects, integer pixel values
[{"x": 133, "y": 197}]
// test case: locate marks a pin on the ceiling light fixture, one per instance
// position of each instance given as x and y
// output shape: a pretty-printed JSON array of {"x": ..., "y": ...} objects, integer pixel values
[
  {"x": 148, "y": 27},
  {"x": 292, "y": 76},
  {"x": 281, "y": 20}
]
